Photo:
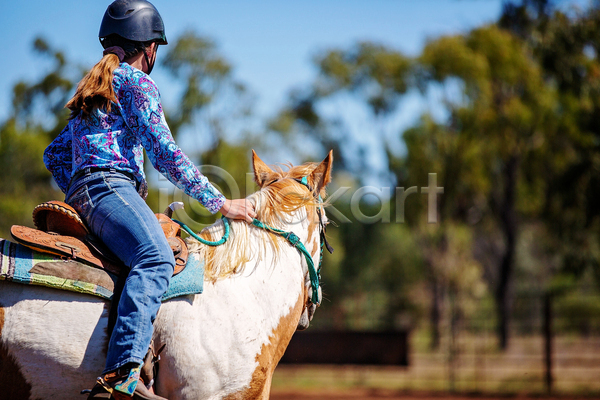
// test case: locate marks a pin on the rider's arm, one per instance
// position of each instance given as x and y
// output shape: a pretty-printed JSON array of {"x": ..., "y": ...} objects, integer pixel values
[
  {"x": 58, "y": 159},
  {"x": 140, "y": 103}
]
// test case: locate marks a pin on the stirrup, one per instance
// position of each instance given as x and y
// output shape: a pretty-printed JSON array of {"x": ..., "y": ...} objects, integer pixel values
[
  {"x": 99, "y": 392},
  {"x": 122, "y": 385},
  {"x": 142, "y": 393},
  {"x": 149, "y": 368}
]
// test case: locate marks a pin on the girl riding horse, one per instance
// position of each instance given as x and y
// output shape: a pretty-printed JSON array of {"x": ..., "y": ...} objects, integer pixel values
[{"x": 97, "y": 161}]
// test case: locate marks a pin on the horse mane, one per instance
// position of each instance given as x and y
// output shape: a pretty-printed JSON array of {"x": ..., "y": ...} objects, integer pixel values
[{"x": 274, "y": 203}]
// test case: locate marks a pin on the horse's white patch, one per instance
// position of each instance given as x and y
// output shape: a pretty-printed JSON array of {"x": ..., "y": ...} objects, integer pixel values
[
  {"x": 218, "y": 335},
  {"x": 56, "y": 332}
]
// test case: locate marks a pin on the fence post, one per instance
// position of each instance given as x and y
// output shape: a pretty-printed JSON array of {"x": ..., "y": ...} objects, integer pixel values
[
  {"x": 548, "y": 340},
  {"x": 453, "y": 341}
]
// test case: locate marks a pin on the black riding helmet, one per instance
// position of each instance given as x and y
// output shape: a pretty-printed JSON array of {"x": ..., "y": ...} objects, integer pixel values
[{"x": 134, "y": 20}]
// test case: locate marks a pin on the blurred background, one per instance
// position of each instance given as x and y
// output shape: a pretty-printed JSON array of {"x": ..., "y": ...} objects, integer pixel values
[{"x": 465, "y": 199}]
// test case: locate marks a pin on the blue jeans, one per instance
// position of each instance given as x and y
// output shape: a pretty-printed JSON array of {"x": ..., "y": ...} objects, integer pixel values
[{"x": 115, "y": 212}]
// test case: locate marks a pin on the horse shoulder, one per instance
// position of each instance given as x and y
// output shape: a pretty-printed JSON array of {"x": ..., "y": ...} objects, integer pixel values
[
  {"x": 270, "y": 354},
  {"x": 226, "y": 342}
]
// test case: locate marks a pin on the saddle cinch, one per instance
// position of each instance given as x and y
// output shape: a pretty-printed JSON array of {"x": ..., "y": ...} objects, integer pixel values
[{"x": 61, "y": 232}]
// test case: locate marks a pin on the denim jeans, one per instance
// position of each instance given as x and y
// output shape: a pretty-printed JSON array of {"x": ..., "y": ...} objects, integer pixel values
[{"x": 115, "y": 212}]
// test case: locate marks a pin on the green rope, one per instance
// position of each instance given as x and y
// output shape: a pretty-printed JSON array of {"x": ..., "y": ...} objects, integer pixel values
[
  {"x": 289, "y": 236},
  {"x": 204, "y": 241},
  {"x": 295, "y": 241}
]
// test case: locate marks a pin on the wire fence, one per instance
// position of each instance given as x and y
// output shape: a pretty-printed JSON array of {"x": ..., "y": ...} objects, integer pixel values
[{"x": 554, "y": 347}]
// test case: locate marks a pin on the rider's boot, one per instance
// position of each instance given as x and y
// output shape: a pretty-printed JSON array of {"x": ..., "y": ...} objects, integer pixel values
[{"x": 122, "y": 384}]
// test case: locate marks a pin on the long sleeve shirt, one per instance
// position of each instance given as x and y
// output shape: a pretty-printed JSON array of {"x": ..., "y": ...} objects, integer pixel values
[{"x": 116, "y": 139}]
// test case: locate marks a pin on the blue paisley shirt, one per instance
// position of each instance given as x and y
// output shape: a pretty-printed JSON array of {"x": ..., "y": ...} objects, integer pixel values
[{"x": 116, "y": 140}]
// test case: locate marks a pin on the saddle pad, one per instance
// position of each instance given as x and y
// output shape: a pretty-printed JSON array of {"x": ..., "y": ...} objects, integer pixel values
[{"x": 24, "y": 265}]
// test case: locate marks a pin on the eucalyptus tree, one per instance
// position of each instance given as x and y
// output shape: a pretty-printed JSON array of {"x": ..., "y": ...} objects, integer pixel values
[
  {"x": 565, "y": 44},
  {"x": 504, "y": 113},
  {"x": 36, "y": 117}
]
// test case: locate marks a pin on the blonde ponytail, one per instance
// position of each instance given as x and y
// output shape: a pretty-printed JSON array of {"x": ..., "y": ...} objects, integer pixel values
[{"x": 95, "y": 90}]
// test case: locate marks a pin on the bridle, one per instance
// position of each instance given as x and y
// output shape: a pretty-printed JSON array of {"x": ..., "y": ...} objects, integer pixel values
[
  {"x": 291, "y": 237},
  {"x": 294, "y": 240}
]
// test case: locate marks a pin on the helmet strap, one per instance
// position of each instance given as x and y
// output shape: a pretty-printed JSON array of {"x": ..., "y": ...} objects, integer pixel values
[{"x": 150, "y": 66}]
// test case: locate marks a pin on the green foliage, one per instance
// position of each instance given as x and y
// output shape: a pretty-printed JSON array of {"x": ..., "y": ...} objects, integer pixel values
[
  {"x": 566, "y": 49},
  {"x": 374, "y": 71},
  {"x": 578, "y": 313},
  {"x": 37, "y": 116},
  {"x": 42, "y": 102},
  {"x": 375, "y": 75},
  {"x": 25, "y": 180},
  {"x": 206, "y": 78},
  {"x": 369, "y": 281}
]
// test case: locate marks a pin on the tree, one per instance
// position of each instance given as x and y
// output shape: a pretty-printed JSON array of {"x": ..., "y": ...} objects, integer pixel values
[
  {"x": 37, "y": 116},
  {"x": 566, "y": 46},
  {"x": 504, "y": 111},
  {"x": 498, "y": 113},
  {"x": 209, "y": 92},
  {"x": 373, "y": 283},
  {"x": 373, "y": 75}
]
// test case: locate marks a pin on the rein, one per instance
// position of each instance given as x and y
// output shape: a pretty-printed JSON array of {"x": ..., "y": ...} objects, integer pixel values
[
  {"x": 295, "y": 241},
  {"x": 204, "y": 241},
  {"x": 291, "y": 237}
]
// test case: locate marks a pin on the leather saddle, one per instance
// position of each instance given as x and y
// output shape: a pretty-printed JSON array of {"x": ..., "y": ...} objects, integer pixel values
[{"x": 61, "y": 232}]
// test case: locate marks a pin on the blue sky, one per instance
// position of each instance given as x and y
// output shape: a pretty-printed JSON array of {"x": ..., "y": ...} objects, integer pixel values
[{"x": 270, "y": 43}]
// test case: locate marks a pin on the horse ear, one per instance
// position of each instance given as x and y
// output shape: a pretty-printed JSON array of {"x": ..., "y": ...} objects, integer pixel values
[
  {"x": 261, "y": 170},
  {"x": 321, "y": 176}
]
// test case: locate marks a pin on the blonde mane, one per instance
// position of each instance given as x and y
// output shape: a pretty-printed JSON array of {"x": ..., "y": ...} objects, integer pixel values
[{"x": 274, "y": 203}]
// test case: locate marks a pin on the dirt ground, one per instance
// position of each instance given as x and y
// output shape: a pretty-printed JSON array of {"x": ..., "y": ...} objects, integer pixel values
[{"x": 360, "y": 394}]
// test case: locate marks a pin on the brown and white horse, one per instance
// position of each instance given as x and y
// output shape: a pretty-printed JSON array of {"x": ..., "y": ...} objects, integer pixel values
[{"x": 222, "y": 344}]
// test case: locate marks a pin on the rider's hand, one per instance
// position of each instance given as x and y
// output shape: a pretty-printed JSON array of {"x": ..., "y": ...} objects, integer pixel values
[{"x": 239, "y": 209}]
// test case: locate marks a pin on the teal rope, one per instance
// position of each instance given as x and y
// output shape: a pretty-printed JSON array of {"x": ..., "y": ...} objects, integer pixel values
[
  {"x": 289, "y": 236},
  {"x": 204, "y": 241},
  {"x": 295, "y": 241}
]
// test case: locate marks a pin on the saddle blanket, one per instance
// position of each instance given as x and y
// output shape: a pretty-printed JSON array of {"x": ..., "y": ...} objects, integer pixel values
[{"x": 24, "y": 265}]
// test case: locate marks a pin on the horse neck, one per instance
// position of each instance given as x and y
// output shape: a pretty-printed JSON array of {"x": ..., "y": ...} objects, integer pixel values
[
  {"x": 249, "y": 247},
  {"x": 260, "y": 261},
  {"x": 263, "y": 300},
  {"x": 265, "y": 293}
]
